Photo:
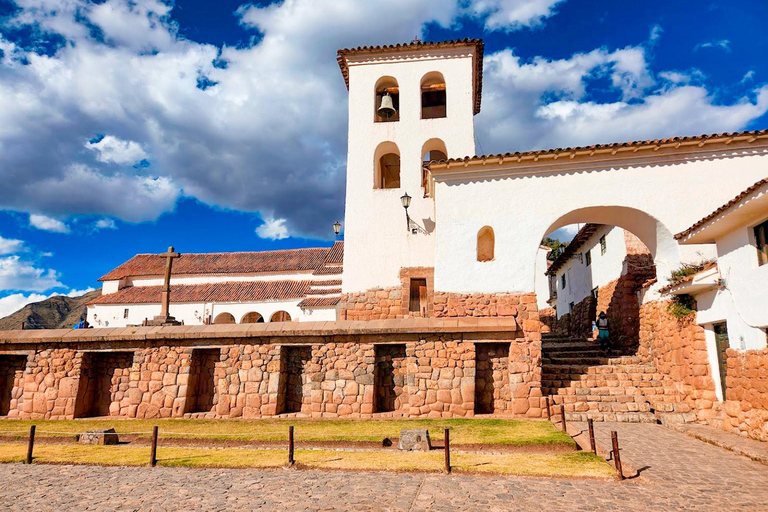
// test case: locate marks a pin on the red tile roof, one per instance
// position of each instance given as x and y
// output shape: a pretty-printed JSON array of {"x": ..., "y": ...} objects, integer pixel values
[
  {"x": 581, "y": 237},
  {"x": 688, "y": 278},
  {"x": 726, "y": 206},
  {"x": 633, "y": 146},
  {"x": 329, "y": 282},
  {"x": 319, "y": 302},
  {"x": 294, "y": 260},
  {"x": 420, "y": 45},
  {"x": 328, "y": 271},
  {"x": 228, "y": 291}
]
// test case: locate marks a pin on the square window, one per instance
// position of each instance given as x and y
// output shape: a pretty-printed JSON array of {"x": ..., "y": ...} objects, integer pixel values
[
  {"x": 588, "y": 258},
  {"x": 602, "y": 245},
  {"x": 761, "y": 242},
  {"x": 418, "y": 297}
]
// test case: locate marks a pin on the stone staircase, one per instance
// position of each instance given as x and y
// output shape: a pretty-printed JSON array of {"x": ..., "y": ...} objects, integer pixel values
[{"x": 592, "y": 383}]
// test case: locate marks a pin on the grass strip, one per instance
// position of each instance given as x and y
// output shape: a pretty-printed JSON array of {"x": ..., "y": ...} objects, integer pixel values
[
  {"x": 578, "y": 464},
  {"x": 463, "y": 431}
]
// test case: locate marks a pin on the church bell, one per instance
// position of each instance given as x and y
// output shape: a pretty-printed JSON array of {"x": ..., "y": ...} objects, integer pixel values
[{"x": 387, "y": 108}]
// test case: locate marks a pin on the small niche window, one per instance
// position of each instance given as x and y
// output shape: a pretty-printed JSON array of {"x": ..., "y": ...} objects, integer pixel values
[
  {"x": 562, "y": 282},
  {"x": 417, "y": 302},
  {"x": 433, "y": 97},
  {"x": 570, "y": 306},
  {"x": 761, "y": 242},
  {"x": 486, "y": 241},
  {"x": 387, "y": 166},
  {"x": 125, "y": 313},
  {"x": 603, "y": 245},
  {"x": 587, "y": 258},
  {"x": 386, "y": 106}
]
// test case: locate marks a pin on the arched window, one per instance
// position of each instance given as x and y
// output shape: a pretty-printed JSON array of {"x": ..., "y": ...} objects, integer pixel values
[
  {"x": 432, "y": 151},
  {"x": 386, "y": 86},
  {"x": 280, "y": 316},
  {"x": 252, "y": 318},
  {"x": 485, "y": 244},
  {"x": 433, "y": 97},
  {"x": 224, "y": 318},
  {"x": 387, "y": 166}
]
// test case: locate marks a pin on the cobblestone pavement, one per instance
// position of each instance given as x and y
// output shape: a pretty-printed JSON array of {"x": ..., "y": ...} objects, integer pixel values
[{"x": 682, "y": 473}]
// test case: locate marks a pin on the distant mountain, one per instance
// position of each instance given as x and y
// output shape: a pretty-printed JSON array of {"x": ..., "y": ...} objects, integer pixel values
[{"x": 55, "y": 313}]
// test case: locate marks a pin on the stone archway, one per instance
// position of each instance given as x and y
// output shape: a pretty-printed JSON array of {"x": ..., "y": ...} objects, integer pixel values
[{"x": 224, "y": 318}]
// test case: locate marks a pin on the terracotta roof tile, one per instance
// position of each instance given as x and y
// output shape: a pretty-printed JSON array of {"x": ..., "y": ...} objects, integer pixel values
[
  {"x": 420, "y": 45},
  {"x": 581, "y": 237},
  {"x": 319, "y": 302},
  {"x": 749, "y": 135},
  {"x": 294, "y": 260},
  {"x": 228, "y": 291},
  {"x": 688, "y": 278},
  {"x": 329, "y": 282},
  {"x": 328, "y": 271},
  {"x": 723, "y": 208}
]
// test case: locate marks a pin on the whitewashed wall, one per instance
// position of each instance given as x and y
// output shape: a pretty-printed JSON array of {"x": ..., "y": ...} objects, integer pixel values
[
  {"x": 652, "y": 197},
  {"x": 377, "y": 243}
]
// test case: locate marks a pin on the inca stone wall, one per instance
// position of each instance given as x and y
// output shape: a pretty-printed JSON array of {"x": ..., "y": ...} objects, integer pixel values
[
  {"x": 11, "y": 382},
  {"x": 492, "y": 393},
  {"x": 410, "y": 374},
  {"x": 746, "y": 407}
]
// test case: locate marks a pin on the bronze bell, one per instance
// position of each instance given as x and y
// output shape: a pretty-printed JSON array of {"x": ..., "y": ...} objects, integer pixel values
[{"x": 387, "y": 108}]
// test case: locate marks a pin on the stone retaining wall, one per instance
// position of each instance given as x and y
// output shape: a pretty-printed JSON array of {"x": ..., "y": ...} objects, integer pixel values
[
  {"x": 746, "y": 407},
  {"x": 315, "y": 376}
]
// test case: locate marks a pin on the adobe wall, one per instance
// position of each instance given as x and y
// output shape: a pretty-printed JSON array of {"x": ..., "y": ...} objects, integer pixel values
[{"x": 251, "y": 375}]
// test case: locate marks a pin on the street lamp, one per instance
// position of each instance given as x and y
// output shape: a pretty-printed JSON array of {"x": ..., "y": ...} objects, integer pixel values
[
  {"x": 337, "y": 228},
  {"x": 405, "y": 200}
]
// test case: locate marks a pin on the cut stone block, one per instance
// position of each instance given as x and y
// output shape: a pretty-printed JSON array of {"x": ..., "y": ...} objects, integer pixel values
[
  {"x": 108, "y": 436},
  {"x": 415, "y": 439}
]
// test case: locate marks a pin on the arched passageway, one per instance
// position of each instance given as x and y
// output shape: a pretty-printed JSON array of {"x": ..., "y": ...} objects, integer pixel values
[
  {"x": 252, "y": 318},
  {"x": 280, "y": 316},
  {"x": 224, "y": 318}
]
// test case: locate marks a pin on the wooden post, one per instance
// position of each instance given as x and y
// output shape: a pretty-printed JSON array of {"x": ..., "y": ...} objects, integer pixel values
[
  {"x": 153, "y": 455},
  {"x": 447, "y": 451},
  {"x": 616, "y": 456},
  {"x": 31, "y": 444},
  {"x": 592, "y": 444},
  {"x": 562, "y": 415},
  {"x": 549, "y": 413},
  {"x": 291, "y": 460}
]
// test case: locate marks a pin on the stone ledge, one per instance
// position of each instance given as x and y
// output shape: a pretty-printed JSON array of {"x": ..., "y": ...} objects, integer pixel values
[
  {"x": 755, "y": 450},
  {"x": 265, "y": 330}
]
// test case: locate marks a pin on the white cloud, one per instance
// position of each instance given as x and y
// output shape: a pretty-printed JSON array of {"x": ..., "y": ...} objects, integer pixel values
[
  {"x": 273, "y": 229},
  {"x": 16, "y": 274},
  {"x": 10, "y": 245},
  {"x": 15, "y": 301},
  {"x": 565, "y": 233},
  {"x": 723, "y": 44},
  {"x": 47, "y": 223},
  {"x": 655, "y": 34},
  {"x": 113, "y": 150},
  {"x": 105, "y": 224},
  {"x": 511, "y": 15}
]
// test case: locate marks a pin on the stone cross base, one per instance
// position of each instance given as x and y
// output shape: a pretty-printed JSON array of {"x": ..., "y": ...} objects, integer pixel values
[
  {"x": 162, "y": 321},
  {"x": 108, "y": 436},
  {"x": 415, "y": 439}
]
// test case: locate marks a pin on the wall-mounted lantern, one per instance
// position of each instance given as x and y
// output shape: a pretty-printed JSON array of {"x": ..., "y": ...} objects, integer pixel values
[
  {"x": 337, "y": 228},
  {"x": 405, "y": 200}
]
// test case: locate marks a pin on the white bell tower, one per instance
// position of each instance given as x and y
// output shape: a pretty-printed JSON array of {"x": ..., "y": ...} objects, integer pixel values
[{"x": 407, "y": 104}]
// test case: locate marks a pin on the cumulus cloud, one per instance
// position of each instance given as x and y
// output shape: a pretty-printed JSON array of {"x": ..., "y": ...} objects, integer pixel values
[
  {"x": 511, "y": 15},
  {"x": 273, "y": 229},
  {"x": 17, "y": 274},
  {"x": 47, "y": 224},
  {"x": 10, "y": 245},
  {"x": 113, "y": 150},
  {"x": 15, "y": 301},
  {"x": 105, "y": 224},
  {"x": 263, "y": 127}
]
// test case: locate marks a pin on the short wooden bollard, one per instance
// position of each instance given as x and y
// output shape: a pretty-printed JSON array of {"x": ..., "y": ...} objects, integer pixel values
[
  {"x": 291, "y": 460},
  {"x": 447, "y": 451},
  {"x": 153, "y": 454},
  {"x": 591, "y": 425},
  {"x": 549, "y": 413},
  {"x": 31, "y": 445},
  {"x": 562, "y": 417},
  {"x": 616, "y": 453}
]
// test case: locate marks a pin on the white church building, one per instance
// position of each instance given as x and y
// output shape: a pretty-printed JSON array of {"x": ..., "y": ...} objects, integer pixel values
[{"x": 432, "y": 229}]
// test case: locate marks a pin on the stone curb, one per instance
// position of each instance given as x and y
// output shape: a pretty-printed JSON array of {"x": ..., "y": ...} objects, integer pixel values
[
  {"x": 630, "y": 468},
  {"x": 752, "y": 449}
]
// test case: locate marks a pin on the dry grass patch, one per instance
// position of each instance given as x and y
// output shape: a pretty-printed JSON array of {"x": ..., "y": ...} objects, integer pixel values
[{"x": 558, "y": 465}]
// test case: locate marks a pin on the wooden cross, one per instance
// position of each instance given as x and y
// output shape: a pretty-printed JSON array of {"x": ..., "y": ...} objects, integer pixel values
[{"x": 166, "y": 293}]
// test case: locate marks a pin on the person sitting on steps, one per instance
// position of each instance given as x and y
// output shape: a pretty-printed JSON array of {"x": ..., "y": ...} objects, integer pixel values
[{"x": 602, "y": 327}]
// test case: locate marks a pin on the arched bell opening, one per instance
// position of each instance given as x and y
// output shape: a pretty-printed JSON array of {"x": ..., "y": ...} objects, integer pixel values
[
  {"x": 386, "y": 166},
  {"x": 386, "y": 101},
  {"x": 433, "y": 96}
]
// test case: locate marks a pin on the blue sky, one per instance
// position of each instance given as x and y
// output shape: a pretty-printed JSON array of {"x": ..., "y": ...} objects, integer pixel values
[{"x": 126, "y": 127}]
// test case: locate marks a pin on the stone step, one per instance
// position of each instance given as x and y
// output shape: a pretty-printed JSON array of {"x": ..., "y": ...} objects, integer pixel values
[
  {"x": 585, "y": 369},
  {"x": 593, "y": 383},
  {"x": 670, "y": 418},
  {"x": 568, "y": 395},
  {"x": 623, "y": 417},
  {"x": 569, "y": 346}
]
